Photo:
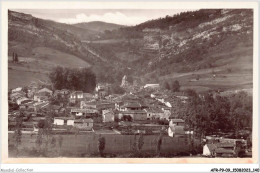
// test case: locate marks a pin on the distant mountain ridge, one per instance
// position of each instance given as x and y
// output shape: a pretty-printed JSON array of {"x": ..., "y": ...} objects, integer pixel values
[{"x": 98, "y": 26}]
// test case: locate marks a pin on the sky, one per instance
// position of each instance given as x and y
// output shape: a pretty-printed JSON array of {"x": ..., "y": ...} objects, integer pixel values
[{"x": 127, "y": 17}]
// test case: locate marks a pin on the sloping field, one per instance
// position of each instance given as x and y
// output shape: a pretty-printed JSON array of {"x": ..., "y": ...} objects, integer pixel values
[
  {"x": 22, "y": 78},
  {"x": 37, "y": 66},
  {"x": 58, "y": 58},
  {"x": 234, "y": 70}
]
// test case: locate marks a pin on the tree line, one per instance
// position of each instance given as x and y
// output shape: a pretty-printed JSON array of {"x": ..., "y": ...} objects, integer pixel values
[
  {"x": 208, "y": 114},
  {"x": 73, "y": 79},
  {"x": 171, "y": 85}
]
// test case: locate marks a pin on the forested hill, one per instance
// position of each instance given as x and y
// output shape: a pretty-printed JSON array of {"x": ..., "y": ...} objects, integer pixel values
[{"x": 184, "y": 20}]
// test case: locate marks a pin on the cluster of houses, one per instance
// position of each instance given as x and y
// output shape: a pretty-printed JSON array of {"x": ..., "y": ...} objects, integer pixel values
[
  {"x": 80, "y": 109},
  {"x": 31, "y": 99},
  {"x": 224, "y": 147}
]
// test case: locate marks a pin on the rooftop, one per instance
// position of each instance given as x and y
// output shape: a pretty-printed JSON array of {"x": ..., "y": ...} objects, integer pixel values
[
  {"x": 64, "y": 118},
  {"x": 89, "y": 120},
  {"x": 177, "y": 120}
]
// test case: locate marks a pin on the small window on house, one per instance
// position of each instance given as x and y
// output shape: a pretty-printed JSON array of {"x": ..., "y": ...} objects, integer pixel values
[{"x": 87, "y": 124}]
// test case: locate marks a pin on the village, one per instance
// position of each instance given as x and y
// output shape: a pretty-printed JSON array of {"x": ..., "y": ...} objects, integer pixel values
[{"x": 149, "y": 111}]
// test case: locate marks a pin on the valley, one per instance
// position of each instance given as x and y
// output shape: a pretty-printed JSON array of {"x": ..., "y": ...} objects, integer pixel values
[{"x": 204, "y": 50}]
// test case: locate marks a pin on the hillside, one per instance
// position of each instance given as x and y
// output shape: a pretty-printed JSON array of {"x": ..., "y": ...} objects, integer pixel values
[
  {"x": 98, "y": 26},
  {"x": 204, "y": 49},
  {"x": 31, "y": 32},
  {"x": 54, "y": 43},
  {"x": 216, "y": 48},
  {"x": 202, "y": 43}
]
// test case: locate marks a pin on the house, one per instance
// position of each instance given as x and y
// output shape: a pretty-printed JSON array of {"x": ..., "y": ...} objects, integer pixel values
[
  {"x": 102, "y": 105},
  {"x": 22, "y": 107},
  {"x": 102, "y": 86},
  {"x": 40, "y": 105},
  {"x": 19, "y": 89},
  {"x": 88, "y": 96},
  {"x": 111, "y": 97},
  {"x": 178, "y": 122},
  {"x": 30, "y": 93},
  {"x": 208, "y": 150},
  {"x": 108, "y": 115},
  {"x": 167, "y": 113},
  {"x": 132, "y": 105},
  {"x": 78, "y": 112},
  {"x": 176, "y": 127},
  {"x": 153, "y": 86},
  {"x": 101, "y": 90},
  {"x": 16, "y": 95},
  {"x": 154, "y": 113},
  {"x": 136, "y": 115},
  {"x": 101, "y": 93},
  {"x": 60, "y": 121},
  {"x": 118, "y": 105},
  {"x": 23, "y": 100},
  {"x": 76, "y": 96},
  {"x": 27, "y": 107},
  {"x": 30, "y": 107},
  {"x": 40, "y": 97},
  {"x": 84, "y": 124},
  {"x": 63, "y": 93},
  {"x": 97, "y": 105},
  {"x": 88, "y": 105},
  {"x": 128, "y": 106},
  {"x": 56, "y": 108},
  {"x": 45, "y": 91},
  {"x": 220, "y": 150}
]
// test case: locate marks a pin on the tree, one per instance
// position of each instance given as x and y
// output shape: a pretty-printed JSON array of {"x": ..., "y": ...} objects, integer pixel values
[
  {"x": 197, "y": 77},
  {"x": 101, "y": 145},
  {"x": 53, "y": 142},
  {"x": 116, "y": 89},
  {"x": 176, "y": 86},
  {"x": 140, "y": 142},
  {"x": 45, "y": 128},
  {"x": 39, "y": 140},
  {"x": 134, "y": 146},
  {"x": 240, "y": 111},
  {"x": 16, "y": 58},
  {"x": 159, "y": 144},
  {"x": 130, "y": 79},
  {"x": 72, "y": 78},
  {"x": 60, "y": 141},
  {"x": 18, "y": 132},
  {"x": 166, "y": 85}
]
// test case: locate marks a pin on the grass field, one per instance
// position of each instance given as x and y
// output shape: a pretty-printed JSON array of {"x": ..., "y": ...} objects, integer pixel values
[
  {"x": 86, "y": 145},
  {"x": 234, "y": 70},
  {"x": 58, "y": 58},
  {"x": 37, "y": 66},
  {"x": 18, "y": 78}
]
